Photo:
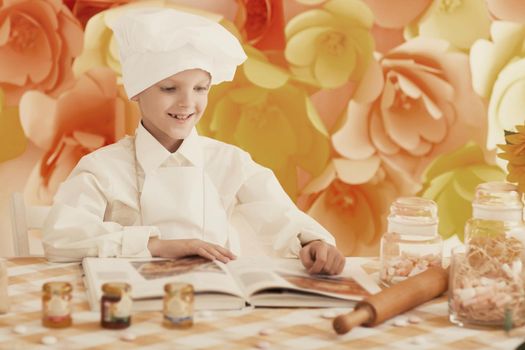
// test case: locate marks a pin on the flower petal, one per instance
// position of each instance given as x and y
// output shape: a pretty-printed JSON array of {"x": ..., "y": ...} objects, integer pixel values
[
  {"x": 352, "y": 140},
  {"x": 334, "y": 70},
  {"x": 301, "y": 48},
  {"x": 264, "y": 74},
  {"x": 356, "y": 172}
]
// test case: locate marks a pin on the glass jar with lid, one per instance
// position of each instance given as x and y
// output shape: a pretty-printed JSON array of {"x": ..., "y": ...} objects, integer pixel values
[
  {"x": 486, "y": 276},
  {"x": 56, "y": 304},
  {"x": 115, "y": 305},
  {"x": 411, "y": 243},
  {"x": 178, "y": 305}
]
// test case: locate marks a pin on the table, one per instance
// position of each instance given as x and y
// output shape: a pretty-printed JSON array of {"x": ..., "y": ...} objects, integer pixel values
[{"x": 294, "y": 328}]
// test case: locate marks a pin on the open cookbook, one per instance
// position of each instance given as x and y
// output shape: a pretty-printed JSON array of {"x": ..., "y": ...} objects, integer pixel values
[{"x": 257, "y": 281}]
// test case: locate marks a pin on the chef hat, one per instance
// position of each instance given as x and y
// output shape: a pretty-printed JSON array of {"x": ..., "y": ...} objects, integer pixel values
[{"x": 156, "y": 43}]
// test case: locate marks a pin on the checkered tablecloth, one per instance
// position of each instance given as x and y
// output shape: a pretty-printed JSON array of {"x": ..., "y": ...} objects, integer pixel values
[{"x": 294, "y": 328}]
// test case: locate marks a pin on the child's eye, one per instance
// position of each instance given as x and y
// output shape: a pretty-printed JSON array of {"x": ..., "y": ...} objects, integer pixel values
[
  {"x": 201, "y": 88},
  {"x": 167, "y": 88}
]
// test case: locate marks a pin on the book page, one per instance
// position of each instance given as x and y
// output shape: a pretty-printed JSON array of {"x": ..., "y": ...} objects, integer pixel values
[
  {"x": 148, "y": 276},
  {"x": 259, "y": 275}
]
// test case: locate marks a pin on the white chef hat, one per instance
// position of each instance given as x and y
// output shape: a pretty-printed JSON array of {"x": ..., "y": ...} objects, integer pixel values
[{"x": 156, "y": 43}]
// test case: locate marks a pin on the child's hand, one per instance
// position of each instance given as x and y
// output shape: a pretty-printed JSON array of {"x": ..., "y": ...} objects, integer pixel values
[
  {"x": 321, "y": 257},
  {"x": 178, "y": 248}
]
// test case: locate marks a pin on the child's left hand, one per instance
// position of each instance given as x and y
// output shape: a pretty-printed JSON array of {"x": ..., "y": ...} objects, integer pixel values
[{"x": 321, "y": 257}]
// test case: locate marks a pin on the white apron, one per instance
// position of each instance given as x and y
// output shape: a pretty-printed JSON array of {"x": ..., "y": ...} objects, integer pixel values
[{"x": 183, "y": 203}]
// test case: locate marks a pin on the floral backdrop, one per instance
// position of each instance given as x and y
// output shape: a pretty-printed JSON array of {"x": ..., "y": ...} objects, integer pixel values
[{"x": 351, "y": 103}]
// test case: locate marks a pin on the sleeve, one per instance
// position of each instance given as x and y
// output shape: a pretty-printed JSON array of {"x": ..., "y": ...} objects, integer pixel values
[
  {"x": 75, "y": 227},
  {"x": 272, "y": 215}
]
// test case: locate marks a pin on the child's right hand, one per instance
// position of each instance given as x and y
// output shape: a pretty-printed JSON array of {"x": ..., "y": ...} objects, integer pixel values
[{"x": 178, "y": 248}]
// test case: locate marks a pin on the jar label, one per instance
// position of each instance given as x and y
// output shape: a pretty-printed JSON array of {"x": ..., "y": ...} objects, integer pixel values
[
  {"x": 177, "y": 310},
  {"x": 57, "y": 307}
]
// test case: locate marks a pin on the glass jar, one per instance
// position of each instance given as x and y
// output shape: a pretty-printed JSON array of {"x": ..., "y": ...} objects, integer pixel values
[
  {"x": 411, "y": 243},
  {"x": 497, "y": 206},
  {"x": 56, "y": 304},
  {"x": 115, "y": 306},
  {"x": 178, "y": 305},
  {"x": 486, "y": 276}
]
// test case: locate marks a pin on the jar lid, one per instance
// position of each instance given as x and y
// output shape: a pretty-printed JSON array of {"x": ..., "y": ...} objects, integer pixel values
[
  {"x": 414, "y": 216},
  {"x": 116, "y": 288},
  {"x": 57, "y": 287},
  {"x": 497, "y": 200},
  {"x": 178, "y": 287}
]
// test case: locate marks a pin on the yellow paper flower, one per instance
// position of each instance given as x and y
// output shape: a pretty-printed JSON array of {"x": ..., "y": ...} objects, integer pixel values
[
  {"x": 352, "y": 205},
  {"x": 100, "y": 48},
  {"x": 514, "y": 153},
  {"x": 330, "y": 45},
  {"x": 451, "y": 180},
  {"x": 12, "y": 139},
  {"x": 269, "y": 118},
  {"x": 498, "y": 73},
  {"x": 460, "y": 22}
]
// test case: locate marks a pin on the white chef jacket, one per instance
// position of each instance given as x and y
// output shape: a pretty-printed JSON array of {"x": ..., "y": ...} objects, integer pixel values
[{"x": 119, "y": 196}]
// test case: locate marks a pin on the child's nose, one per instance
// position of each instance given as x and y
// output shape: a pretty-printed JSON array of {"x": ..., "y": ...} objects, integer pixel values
[{"x": 184, "y": 100}]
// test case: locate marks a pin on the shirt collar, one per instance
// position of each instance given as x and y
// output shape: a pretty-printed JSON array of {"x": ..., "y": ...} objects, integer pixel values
[{"x": 151, "y": 154}]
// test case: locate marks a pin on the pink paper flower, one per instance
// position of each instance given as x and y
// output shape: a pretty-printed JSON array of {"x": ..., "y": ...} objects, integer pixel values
[
  {"x": 508, "y": 10},
  {"x": 390, "y": 19},
  {"x": 93, "y": 113},
  {"x": 414, "y": 104}
]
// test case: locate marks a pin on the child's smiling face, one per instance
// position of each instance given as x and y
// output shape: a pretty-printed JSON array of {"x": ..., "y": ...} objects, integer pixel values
[{"x": 172, "y": 107}]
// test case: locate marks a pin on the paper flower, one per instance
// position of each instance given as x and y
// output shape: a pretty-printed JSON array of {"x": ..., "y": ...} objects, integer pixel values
[
  {"x": 330, "y": 45},
  {"x": 352, "y": 205},
  {"x": 451, "y": 182},
  {"x": 460, "y": 22},
  {"x": 414, "y": 104},
  {"x": 508, "y": 10},
  {"x": 498, "y": 72},
  {"x": 269, "y": 118},
  {"x": 93, "y": 113},
  {"x": 514, "y": 153},
  {"x": 37, "y": 42},
  {"x": 100, "y": 48},
  {"x": 390, "y": 19},
  {"x": 261, "y": 22},
  {"x": 12, "y": 139}
]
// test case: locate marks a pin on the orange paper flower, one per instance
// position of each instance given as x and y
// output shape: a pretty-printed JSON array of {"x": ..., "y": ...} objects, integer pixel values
[
  {"x": 38, "y": 39},
  {"x": 85, "y": 9},
  {"x": 350, "y": 206},
  {"x": 261, "y": 23},
  {"x": 93, "y": 113}
]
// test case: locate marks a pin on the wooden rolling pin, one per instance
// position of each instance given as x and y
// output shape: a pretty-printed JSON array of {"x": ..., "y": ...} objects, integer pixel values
[{"x": 394, "y": 300}]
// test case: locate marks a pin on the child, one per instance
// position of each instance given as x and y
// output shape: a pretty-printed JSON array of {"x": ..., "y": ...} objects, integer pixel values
[{"x": 167, "y": 191}]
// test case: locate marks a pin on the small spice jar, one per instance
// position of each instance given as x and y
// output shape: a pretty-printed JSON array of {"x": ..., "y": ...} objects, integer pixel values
[
  {"x": 115, "y": 305},
  {"x": 178, "y": 305},
  {"x": 56, "y": 304},
  {"x": 486, "y": 286},
  {"x": 411, "y": 243}
]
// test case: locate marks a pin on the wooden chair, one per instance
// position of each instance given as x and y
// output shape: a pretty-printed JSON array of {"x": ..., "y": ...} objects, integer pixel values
[{"x": 24, "y": 218}]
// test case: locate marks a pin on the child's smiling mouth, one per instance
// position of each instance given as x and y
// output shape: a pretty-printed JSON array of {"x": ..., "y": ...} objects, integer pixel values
[{"x": 181, "y": 116}]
